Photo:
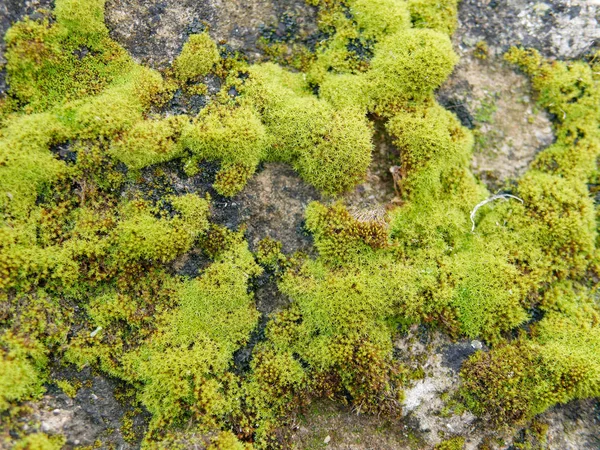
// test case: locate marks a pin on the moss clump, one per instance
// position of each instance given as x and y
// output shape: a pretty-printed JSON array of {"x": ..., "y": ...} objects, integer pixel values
[
  {"x": 70, "y": 58},
  {"x": 82, "y": 232},
  {"x": 512, "y": 384},
  {"x": 214, "y": 318},
  {"x": 144, "y": 237},
  {"x": 40, "y": 441},
  {"x": 434, "y": 14},
  {"x": 556, "y": 240},
  {"x": 409, "y": 65},
  {"x": 509, "y": 384},
  {"x": 20, "y": 365},
  {"x": 455, "y": 443},
  {"x": 330, "y": 149},
  {"x": 226, "y": 440},
  {"x": 376, "y": 19},
  {"x": 339, "y": 237},
  {"x": 234, "y": 136},
  {"x": 197, "y": 58},
  {"x": 150, "y": 142}
]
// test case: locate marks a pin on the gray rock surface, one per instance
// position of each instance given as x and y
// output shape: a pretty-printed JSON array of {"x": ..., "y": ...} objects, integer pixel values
[
  {"x": 561, "y": 29},
  {"x": 154, "y": 31}
]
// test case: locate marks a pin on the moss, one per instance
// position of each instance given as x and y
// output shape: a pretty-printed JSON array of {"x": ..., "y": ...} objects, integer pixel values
[
  {"x": 69, "y": 59},
  {"x": 426, "y": 133},
  {"x": 379, "y": 18},
  {"x": 455, "y": 443},
  {"x": 488, "y": 293},
  {"x": 226, "y": 440},
  {"x": 234, "y": 136},
  {"x": 509, "y": 384},
  {"x": 40, "y": 441},
  {"x": 103, "y": 247},
  {"x": 214, "y": 318},
  {"x": 339, "y": 237},
  {"x": 345, "y": 91},
  {"x": 409, "y": 65},
  {"x": 70, "y": 389},
  {"x": 481, "y": 50},
  {"x": 143, "y": 236},
  {"x": 330, "y": 149},
  {"x": 268, "y": 253},
  {"x": 22, "y": 363},
  {"x": 150, "y": 142},
  {"x": 197, "y": 58},
  {"x": 434, "y": 14}
]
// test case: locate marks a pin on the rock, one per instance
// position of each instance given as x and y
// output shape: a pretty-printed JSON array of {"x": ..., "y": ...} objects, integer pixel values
[
  {"x": 154, "y": 31},
  {"x": 477, "y": 345},
  {"x": 562, "y": 29}
]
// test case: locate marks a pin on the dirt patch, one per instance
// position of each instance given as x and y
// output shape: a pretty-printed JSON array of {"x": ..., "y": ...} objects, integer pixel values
[
  {"x": 154, "y": 31},
  {"x": 377, "y": 191},
  {"x": 272, "y": 205},
  {"x": 573, "y": 426},
  {"x": 497, "y": 104},
  {"x": 92, "y": 415},
  {"x": 328, "y": 425}
]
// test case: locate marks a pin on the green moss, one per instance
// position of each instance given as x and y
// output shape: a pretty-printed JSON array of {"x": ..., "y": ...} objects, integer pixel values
[
  {"x": 66, "y": 60},
  {"x": 40, "y": 441},
  {"x": 434, "y": 14},
  {"x": 555, "y": 243},
  {"x": 488, "y": 293},
  {"x": 268, "y": 253},
  {"x": 70, "y": 389},
  {"x": 197, "y": 58},
  {"x": 214, "y": 318},
  {"x": 108, "y": 248},
  {"x": 426, "y": 133},
  {"x": 234, "y": 136},
  {"x": 21, "y": 367},
  {"x": 226, "y": 440},
  {"x": 455, "y": 443},
  {"x": 341, "y": 238},
  {"x": 143, "y": 236},
  {"x": 409, "y": 65},
  {"x": 150, "y": 142},
  {"x": 376, "y": 19},
  {"x": 330, "y": 149}
]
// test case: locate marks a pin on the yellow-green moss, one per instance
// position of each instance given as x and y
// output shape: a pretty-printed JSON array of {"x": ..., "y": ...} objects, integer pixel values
[
  {"x": 555, "y": 244},
  {"x": 226, "y": 440},
  {"x": 81, "y": 229},
  {"x": 197, "y": 58},
  {"x": 438, "y": 15},
  {"x": 150, "y": 142},
  {"x": 21, "y": 367},
  {"x": 455, "y": 443},
  {"x": 40, "y": 441},
  {"x": 379, "y": 18},
  {"x": 409, "y": 65}
]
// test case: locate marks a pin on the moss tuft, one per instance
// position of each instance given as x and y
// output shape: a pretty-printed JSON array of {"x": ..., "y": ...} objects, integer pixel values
[
  {"x": 197, "y": 58},
  {"x": 409, "y": 65},
  {"x": 434, "y": 14}
]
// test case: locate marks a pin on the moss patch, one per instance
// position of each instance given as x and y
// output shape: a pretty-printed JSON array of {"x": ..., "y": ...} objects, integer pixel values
[{"x": 85, "y": 261}]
